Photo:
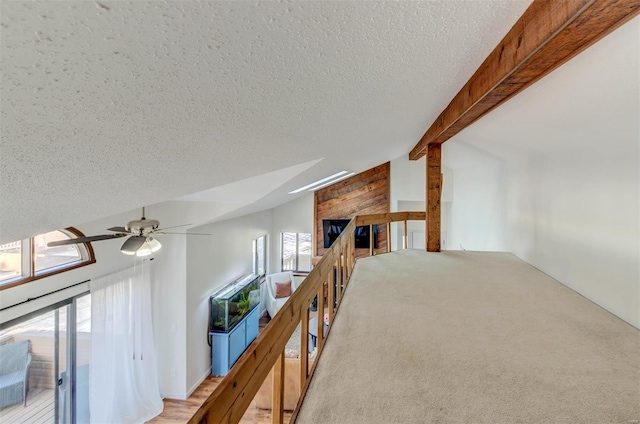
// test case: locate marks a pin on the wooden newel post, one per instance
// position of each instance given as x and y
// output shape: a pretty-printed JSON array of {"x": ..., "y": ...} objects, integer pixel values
[{"x": 434, "y": 189}]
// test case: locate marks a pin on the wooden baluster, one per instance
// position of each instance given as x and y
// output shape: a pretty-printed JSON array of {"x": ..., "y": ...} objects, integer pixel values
[
  {"x": 277, "y": 390},
  {"x": 388, "y": 237},
  {"x": 404, "y": 241},
  {"x": 330, "y": 296},
  {"x": 371, "y": 240},
  {"x": 339, "y": 279},
  {"x": 347, "y": 269},
  {"x": 304, "y": 346},
  {"x": 353, "y": 254},
  {"x": 320, "y": 333},
  {"x": 345, "y": 258}
]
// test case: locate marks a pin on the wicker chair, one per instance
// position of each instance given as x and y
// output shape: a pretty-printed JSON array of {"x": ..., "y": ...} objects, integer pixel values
[{"x": 14, "y": 373}]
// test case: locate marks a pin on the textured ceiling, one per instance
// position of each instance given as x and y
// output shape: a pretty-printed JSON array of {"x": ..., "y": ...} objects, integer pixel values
[{"x": 108, "y": 106}]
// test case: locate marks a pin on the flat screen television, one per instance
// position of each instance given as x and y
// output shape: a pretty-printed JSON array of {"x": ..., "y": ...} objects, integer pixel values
[{"x": 331, "y": 229}]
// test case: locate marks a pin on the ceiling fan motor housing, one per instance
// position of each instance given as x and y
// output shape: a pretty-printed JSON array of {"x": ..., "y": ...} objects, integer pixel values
[{"x": 142, "y": 226}]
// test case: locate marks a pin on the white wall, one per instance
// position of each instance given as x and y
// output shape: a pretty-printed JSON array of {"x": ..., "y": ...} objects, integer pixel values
[
  {"x": 473, "y": 214},
  {"x": 292, "y": 217},
  {"x": 572, "y": 144},
  {"x": 211, "y": 263},
  {"x": 478, "y": 218},
  {"x": 575, "y": 217},
  {"x": 228, "y": 254}
]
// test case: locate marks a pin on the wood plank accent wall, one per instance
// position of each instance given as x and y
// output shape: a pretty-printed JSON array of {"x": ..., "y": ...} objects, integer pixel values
[{"x": 363, "y": 194}]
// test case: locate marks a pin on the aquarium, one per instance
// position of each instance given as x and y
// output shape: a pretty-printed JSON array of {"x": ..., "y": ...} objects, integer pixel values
[{"x": 233, "y": 302}]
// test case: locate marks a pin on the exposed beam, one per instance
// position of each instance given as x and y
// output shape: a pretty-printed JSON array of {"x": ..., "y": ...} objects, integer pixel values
[
  {"x": 549, "y": 33},
  {"x": 434, "y": 190}
]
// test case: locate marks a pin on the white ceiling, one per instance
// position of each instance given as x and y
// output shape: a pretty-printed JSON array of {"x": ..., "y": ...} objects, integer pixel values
[{"x": 108, "y": 106}]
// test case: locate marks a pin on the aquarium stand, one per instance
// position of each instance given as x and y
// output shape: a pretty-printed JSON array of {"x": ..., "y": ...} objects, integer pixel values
[{"x": 226, "y": 348}]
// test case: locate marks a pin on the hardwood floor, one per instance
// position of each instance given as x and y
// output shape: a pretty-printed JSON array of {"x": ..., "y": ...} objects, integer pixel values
[{"x": 179, "y": 411}]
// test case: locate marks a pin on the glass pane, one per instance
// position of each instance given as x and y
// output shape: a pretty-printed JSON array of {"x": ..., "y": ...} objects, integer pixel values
[
  {"x": 260, "y": 253},
  {"x": 304, "y": 259},
  {"x": 51, "y": 257},
  {"x": 10, "y": 260},
  {"x": 288, "y": 251},
  {"x": 40, "y": 335},
  {"x": 255, "y": 257}
]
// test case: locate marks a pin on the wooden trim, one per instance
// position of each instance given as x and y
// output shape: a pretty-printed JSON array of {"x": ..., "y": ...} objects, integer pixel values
[
  {"x": 304, "y": 348},
  {"x": 320, "y": 311},
  {"x": 548, "y": 34},
  {"x": 388, "y": 237},
  {"x": 434, "y": 190},
  {"x": 277, "y": 391},
  {"x": 383, "y": 218},
  {"x": 315, "y": 242},
  {"x": 32, "y": 277},
  {"x": 405, "y": 242}
]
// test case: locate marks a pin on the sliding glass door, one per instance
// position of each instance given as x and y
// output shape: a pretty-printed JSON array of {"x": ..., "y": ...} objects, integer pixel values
[{"x": 51, "y": 346}]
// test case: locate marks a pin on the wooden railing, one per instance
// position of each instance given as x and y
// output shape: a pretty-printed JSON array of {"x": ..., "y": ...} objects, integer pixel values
[{"x": 234, "y": 394}]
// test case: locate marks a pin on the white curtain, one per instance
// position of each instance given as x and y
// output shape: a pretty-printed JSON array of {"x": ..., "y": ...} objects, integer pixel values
[{"x": 124, "y": 379}]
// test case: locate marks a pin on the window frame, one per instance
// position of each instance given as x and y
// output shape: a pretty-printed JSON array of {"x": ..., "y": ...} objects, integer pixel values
[
  {"x": 29, "y": 261},
  {"x": 297, "y": 254},
  {"x": 255, "y": 255}
]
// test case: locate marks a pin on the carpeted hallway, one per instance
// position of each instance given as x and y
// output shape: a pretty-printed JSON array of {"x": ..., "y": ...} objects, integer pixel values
[{"x": 469, "y": 337}]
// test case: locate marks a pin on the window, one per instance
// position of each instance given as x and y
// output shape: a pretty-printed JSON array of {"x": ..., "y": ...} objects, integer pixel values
[
  {"x": 296, "y": 252},
  {"x": 260, "y": 255},
  {"x": 10, "y": 261},
  {"x": 30, "y": 259}
]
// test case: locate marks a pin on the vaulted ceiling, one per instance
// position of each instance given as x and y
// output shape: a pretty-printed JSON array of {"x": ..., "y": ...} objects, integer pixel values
[{"x": 108, "y": 106}]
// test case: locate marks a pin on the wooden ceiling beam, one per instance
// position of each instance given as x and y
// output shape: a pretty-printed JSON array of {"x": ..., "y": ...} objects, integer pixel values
[{"x": 549, "y": 33}]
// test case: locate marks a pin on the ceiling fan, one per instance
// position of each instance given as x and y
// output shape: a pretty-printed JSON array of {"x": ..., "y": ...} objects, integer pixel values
[{"x": 139, "y": 231}]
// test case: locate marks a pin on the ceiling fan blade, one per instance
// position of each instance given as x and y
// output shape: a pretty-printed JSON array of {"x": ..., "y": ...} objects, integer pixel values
[
  {"x": 185, "y": 234},
  {"x": 132, "y": 244},
  {"x": 118, "y": 229},
  {"x": 84, "y": 239},
  {"x": 173, "y": 226}
]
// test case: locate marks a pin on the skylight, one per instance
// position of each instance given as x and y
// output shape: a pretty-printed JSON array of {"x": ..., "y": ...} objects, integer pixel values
[{"x": 323, "y": 182}]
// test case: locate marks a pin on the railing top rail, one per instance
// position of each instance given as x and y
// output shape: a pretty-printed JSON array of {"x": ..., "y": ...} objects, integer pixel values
[{"x": 383, "y": 218}]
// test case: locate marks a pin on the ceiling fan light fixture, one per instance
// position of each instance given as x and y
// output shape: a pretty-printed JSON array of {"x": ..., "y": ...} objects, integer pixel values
[
  {"x": 145, "y": 250},
  {"x": 150, "y": 246},
  {"x": 154, "y": 244},
  {"x": 128, "y": 252}
]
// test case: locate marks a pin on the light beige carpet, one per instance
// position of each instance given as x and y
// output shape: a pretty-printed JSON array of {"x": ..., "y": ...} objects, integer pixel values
[{"x": 467, "y": 337}]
